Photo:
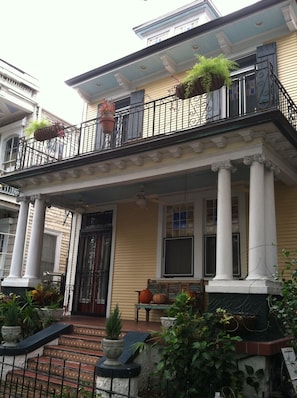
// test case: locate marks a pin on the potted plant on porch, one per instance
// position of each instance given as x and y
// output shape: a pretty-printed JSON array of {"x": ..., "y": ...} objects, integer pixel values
[
  {"x": 106, "y": 114},
  {"x": 183, "y": 303},
  {"x": 208, "y": 74},
  {"x": 49, "y": 300},
  {"x": 113, "y": 343},
  {"x": 10, "y": 312}
]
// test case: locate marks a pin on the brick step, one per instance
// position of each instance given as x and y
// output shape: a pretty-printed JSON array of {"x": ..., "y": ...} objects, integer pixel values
[
  {"x": 81, "y": 341},
  {"x": 70, "y": 370},
  {"x": 31, "y": 385},
  {"x": 72, "y": 354}
]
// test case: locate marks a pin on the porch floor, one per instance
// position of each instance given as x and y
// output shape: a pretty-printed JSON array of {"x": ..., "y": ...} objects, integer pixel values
[{"x": 127, "y": 325}]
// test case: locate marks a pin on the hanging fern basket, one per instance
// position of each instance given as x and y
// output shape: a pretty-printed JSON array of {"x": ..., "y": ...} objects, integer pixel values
[
  {"x": 48, "y": 132},
  {"x": 197, "y": 88}
]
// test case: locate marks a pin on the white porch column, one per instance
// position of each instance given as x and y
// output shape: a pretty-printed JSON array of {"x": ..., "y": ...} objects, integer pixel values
[
  {"x": 224, "y": 259},
  {"x": 35, "y": 244},
  {"x": 270, "y": 220},
  {"x": 19, "y": 243},
  {"x": 257, "y": 249}
]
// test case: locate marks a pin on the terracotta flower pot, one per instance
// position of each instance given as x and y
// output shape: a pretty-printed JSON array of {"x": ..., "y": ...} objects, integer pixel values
[{"x": 107, "y": 123}]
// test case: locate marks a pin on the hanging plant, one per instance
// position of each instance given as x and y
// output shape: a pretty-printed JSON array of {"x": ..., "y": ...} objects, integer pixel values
[
  {"x": 207, "y": 75},
  {"x": 106, "y": 115}
]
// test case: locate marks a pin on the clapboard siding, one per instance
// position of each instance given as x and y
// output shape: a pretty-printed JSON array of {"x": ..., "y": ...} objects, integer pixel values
[
  {"x": 287, "y": 61},
  {"x": 286, "y": 210},
  {"x": 55, "y": 220},
  {"x": 135, "y": 254}
]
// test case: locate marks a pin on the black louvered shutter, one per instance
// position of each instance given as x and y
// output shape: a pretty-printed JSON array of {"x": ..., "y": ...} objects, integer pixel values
[
  {"x": 135, "y": 123},
  {"x": 266, "y": 90}
]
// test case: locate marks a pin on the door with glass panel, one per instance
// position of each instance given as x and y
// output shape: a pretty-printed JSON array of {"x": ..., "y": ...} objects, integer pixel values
[{"x": 91, "y": 287}]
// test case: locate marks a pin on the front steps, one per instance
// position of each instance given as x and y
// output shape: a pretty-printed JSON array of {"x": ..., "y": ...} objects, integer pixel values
[{"x": 66, "y": 368}]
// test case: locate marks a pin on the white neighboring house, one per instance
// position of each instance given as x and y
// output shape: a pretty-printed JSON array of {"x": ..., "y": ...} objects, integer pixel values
[{"x": 18, "y": 105}]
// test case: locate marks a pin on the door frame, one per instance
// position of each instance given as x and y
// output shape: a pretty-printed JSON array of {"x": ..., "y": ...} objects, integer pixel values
[{"x": 73, "y": 258}]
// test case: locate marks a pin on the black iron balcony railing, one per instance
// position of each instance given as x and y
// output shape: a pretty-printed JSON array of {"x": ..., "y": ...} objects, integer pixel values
[{"x": 251, "y": 92}]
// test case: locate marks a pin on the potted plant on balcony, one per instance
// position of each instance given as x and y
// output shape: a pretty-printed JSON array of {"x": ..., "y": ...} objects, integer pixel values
[
  {"x": 113, "y": 343},
  {"x": 207, "y": 75},
  {"x": 106, "y": 115},
  {"x": 10, "y": 312},
  {"x": 43, "y": 130}
]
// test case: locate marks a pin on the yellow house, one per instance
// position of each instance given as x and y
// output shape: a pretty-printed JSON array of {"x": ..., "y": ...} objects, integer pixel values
[{"x": 182, "y": 189}]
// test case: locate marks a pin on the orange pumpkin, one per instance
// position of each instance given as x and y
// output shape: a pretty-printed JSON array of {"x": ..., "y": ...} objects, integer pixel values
[
  {"x": 145, "y": 296},
  {"x": 160, "y": 298}
]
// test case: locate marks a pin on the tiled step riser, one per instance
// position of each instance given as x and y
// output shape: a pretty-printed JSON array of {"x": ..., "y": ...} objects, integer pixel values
[
  {"x": 76, "y": 342},
  {"x": 87, "y": 331},
  {"x": 57, "y": 370},
  {"x": 71, "y": 355}
]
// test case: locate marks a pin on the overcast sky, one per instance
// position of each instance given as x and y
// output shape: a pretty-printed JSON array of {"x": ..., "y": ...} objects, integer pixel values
[{"x": 55, "y": 40}]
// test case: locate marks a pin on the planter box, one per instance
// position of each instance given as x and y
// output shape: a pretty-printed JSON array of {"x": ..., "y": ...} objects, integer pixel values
[
  {"x": 197, "y": 88},
  {"x": 50, "y": 314},
  {"x": 46, "y": 133}
]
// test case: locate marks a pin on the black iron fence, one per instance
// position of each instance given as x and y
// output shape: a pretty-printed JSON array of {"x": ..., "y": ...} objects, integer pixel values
[
  {"x": 252, "y": 92},
  {"x": 29, "y": 377}
]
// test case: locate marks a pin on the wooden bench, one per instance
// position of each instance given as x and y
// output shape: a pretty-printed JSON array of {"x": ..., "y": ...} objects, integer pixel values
[{"x": 171, "y": 289}]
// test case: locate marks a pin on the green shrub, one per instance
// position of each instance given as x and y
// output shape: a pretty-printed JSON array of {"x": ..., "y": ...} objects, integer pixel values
[
  {"x": 197, "y": 356},
  {"x": 284, "y": 307}
]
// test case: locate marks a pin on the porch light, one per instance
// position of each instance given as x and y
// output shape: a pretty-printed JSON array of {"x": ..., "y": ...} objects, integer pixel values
[
  {"x": 141, "y": 202},
  {"x": 141, "y": 198}
]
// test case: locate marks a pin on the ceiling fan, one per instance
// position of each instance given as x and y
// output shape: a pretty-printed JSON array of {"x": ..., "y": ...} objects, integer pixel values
[{"x": 142, "y": 198}]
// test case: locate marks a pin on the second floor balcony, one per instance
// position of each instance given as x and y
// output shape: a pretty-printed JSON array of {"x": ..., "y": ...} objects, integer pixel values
[{"x": 253, "y": 92}]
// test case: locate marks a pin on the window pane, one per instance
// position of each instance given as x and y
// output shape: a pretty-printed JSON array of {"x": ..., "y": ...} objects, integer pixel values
[
  {"x": 179, "y": 220},
  {"x": 48, "y": 254},
  {"x": 179, "y": 257},
  {"x": 210, "y": 255}
]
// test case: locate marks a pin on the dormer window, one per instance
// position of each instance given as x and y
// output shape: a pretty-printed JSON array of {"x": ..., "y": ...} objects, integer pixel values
[
  {"x": 156, "y": 39},
  {"x": 187, "y": 26}
]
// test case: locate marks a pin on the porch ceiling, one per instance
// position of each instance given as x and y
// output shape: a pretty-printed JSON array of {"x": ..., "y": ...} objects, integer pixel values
[{"x": 235, "y": 33}]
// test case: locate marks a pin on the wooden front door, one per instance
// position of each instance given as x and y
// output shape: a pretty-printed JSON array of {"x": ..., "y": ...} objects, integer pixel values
[{"x": 92, "y": 274}]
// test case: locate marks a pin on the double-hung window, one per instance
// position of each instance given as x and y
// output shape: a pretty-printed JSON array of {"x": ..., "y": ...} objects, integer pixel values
[
  {"x": 178, "y": 248},
  {"x": 210, "y": 237}
]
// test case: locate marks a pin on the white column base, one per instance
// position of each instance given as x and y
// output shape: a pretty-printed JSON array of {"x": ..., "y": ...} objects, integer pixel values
[
  {"x": 263, "y": 286},
  {"x": 20, "y": 282}
]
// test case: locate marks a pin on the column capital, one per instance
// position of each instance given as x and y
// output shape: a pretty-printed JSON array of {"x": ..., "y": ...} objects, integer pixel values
[
  {"x": 227, "y": 165},
  {"x": 35, "y": 197},
  {"x": 272, "y": 167},
  {"x": 23, "y": 199},
  {"x": 248, "y": 160},
  {"x": 47, "y": 202}
]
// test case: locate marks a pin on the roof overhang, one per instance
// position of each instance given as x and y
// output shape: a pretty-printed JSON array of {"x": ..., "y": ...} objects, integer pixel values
[{"x": 237, "y": 34}]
